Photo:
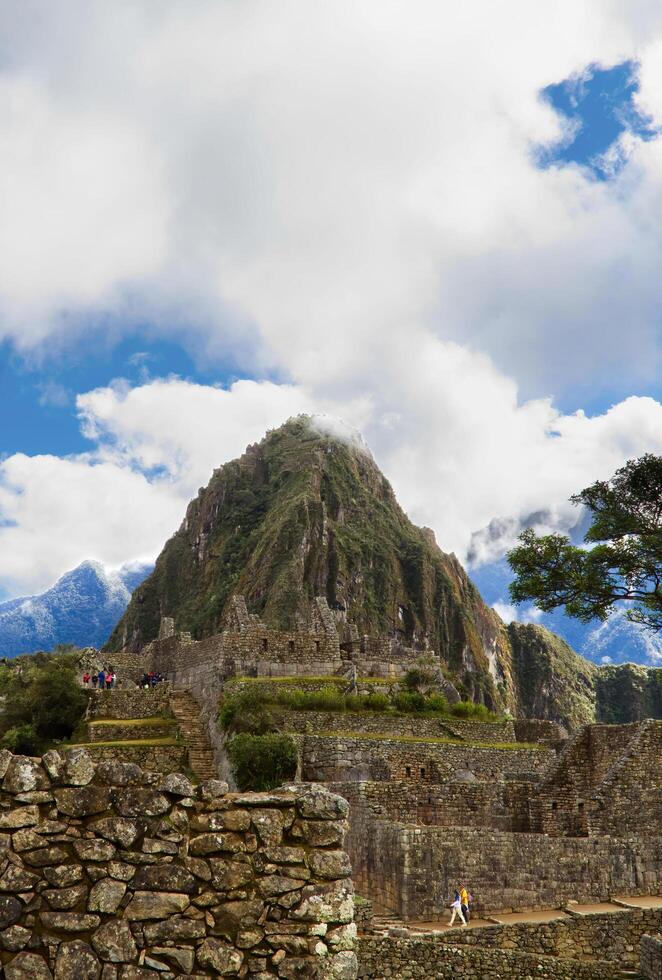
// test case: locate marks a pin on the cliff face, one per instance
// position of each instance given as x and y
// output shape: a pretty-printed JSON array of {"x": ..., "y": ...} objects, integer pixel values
[
  {"x": 302, "y": 514},
  {"x": 299, "y": 515}
]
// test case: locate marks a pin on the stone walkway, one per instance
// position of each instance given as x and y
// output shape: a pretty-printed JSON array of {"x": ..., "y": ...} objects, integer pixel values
[{"x": 385, "y": 921}]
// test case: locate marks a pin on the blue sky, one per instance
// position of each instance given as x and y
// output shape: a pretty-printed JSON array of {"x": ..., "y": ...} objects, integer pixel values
[
  {"x": 218, "y": 215},
  {"x": 600, "y": 106}
]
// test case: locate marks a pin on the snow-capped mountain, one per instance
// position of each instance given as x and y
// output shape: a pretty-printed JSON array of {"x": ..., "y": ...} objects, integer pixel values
[
  {"x": 615, "y": 641},
  {"x": 81, "y": 608}
]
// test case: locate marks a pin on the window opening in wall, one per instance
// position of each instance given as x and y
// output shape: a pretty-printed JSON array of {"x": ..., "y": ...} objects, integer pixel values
[
  {"x": 407, "y": 770},
  {"x": 422, "y": 772},
  {"x": 265, "y": 644},
  {"x": 580, "y": 806},
  {"x": 291, "y": 646},
  {"x": 554, "y": 804},
  {"x": 317, "y": 646}
]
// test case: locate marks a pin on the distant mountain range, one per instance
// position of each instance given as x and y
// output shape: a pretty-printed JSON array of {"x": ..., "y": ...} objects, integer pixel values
[
  {"x": 81, "y": 608},
  {"x": 615, "y": 641}
]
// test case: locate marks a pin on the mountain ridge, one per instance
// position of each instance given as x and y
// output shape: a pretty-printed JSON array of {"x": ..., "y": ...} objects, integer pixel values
[
  {"x": 81, "y": 608},
  {"x": 302, "y": 514}
]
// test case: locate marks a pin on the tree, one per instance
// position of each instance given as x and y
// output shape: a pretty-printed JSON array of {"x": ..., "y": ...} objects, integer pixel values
[
  {"x": 623, "y": 558},
  {"x": 45, "y": 696}
]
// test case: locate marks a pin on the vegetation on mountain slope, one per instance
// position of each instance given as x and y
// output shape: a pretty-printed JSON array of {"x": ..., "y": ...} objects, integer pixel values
[{"x": 302, "y": 514}]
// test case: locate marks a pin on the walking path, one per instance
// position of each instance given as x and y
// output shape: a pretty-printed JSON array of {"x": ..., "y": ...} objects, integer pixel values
[{"x": 384, "y": 921}]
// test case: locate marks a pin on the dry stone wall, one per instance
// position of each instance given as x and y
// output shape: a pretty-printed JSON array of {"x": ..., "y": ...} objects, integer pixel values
[
  {"x": 125, "y": 704},
  {"x": 413, "y": 870},
  {"x": 651, "y": 957},
  {"x": 425, "y": 958},
  {"x": 335, "y": 758},
  {"x": 113, "y": 873},
  {"x": 497, "y": 805},
  {"x": 158, "y": 758},
  {"x": 612, "y": 936}
]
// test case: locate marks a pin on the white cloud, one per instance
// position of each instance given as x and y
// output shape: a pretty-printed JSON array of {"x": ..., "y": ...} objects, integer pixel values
[
  {"x": 153, "y": 447},
  {"x": 294, "y": 183},
  {"x": 341, "y": 198},
  {"x": 460, "y": 450}
]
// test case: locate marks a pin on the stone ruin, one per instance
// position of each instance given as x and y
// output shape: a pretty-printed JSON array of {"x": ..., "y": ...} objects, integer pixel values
[
  {"x": 530, "y": 818},
  {"x": 110, "y": 872}
]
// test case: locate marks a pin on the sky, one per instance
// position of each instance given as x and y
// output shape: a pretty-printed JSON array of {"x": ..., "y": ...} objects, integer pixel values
[{"x": 439, "y": 223}]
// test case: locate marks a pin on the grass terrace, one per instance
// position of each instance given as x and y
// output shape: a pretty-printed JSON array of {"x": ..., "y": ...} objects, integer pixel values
[
  {"x": 432, "y": 739},
  {"x": 389, "y": 698}
]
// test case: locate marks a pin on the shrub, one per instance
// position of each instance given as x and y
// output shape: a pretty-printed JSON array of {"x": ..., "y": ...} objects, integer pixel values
[
  {"x": 437, "y": 702},
  {"x": 22, "y": 739},
  {"x": 249, "y": 712},
  {"x": 377, "y": 702},
  {"x": 420, "y": 679},
  {"x": 262, "y": 762},
  {"x": 469, "y": 709},
  {"x": 409, "y": 701},
  {"x": 45, "y": 696}
]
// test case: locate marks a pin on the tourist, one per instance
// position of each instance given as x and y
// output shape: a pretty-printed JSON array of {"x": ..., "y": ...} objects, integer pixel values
[
  {"x": 145, "y": 681},
  {"x": 465, "y": 899},
  {"x": 110, "y": 679},
  {"x": 86, "y": 679},
  {"x": 102, "y": 679},
  {"x": 456, "y": 906},
  {"x": 95, "y": 679}
]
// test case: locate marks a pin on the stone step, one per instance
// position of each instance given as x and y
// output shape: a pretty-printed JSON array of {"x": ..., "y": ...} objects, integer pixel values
[{"x": 187, "y": 712}]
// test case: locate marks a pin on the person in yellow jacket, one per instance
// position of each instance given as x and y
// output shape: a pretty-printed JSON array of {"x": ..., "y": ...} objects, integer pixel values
[{"x": 465, "y": 901}]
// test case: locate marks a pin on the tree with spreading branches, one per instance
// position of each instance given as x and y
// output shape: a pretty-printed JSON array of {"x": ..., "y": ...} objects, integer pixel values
[{"x": 622, "y": 558}]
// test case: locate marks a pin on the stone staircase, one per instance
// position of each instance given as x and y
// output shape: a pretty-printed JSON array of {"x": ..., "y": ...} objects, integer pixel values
[{"x": 200, "y": 755}]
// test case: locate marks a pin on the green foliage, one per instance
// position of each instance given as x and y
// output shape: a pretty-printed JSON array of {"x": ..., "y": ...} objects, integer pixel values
[
  {"x": 249, "y": 712},
  {"x": 41, "y": 693},
  {"x": 255, "y": 709},
  {"x": 409, "y": 701},
  {"x": 420, "y": 679},
  {"x": 262, "y": 762},
  {"x": 624, "y": 562},
  {"x": 22, "y": 739},
  {"x": 473, "y": 711}
]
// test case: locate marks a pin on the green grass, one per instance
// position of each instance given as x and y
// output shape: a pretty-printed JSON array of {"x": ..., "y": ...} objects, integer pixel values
[
  {"x": 296, "y": 679},
  {"x": 122, "y": 743},
  {"x": 154, "y": 721},
  {"x": 435, "y": 740}
]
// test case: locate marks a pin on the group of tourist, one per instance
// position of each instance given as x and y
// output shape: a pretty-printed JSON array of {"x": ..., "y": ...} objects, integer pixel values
[
  {"x": 105, "y": 678},
  {"x": 151, "y": 679},
  {"x": 460, "y": 906}
]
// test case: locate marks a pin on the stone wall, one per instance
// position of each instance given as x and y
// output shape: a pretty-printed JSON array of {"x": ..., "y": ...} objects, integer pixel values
[
  {"x": 382, "y": 958},
  {"x": 414, "y": 870},
  {"x": 160, "y": 758},
  {"x": 612, "y": 936},
  {"x": 337, "y": 758},
  {"x": 122, "y": 874},
  {"x": 376, "y": 722},
  {"x": 651, "y": 957},
  {"x": 127, "y": 704},
  {"x": 605, "y": 781},
  {"x": 538, "y": 730},
  {"x": 120, "y": 730},
  {"x": 497, "y": 804}
]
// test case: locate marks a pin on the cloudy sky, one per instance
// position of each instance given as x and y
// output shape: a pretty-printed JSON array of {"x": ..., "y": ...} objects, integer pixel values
[{"x": 441, "y": 223}]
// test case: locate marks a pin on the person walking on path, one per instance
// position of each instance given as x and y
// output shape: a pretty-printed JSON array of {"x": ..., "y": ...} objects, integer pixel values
[
  {"x": 86, "y": 679},
  {"x": 465, "y": 900},
  {"x": 456, "y": 906},
  {"x": 95, "y": 679},
  {"x": 102, "y": 679}
]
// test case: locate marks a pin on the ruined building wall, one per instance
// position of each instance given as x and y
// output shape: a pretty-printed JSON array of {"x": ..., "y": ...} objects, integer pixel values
[
  {"x": 651, "y": 957},
  {"x": 430, "y": 957},
  {"x": 413, "y": 870},
  {"x": 112, "y": 867},
  {"x": 333, "y": 758}
]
